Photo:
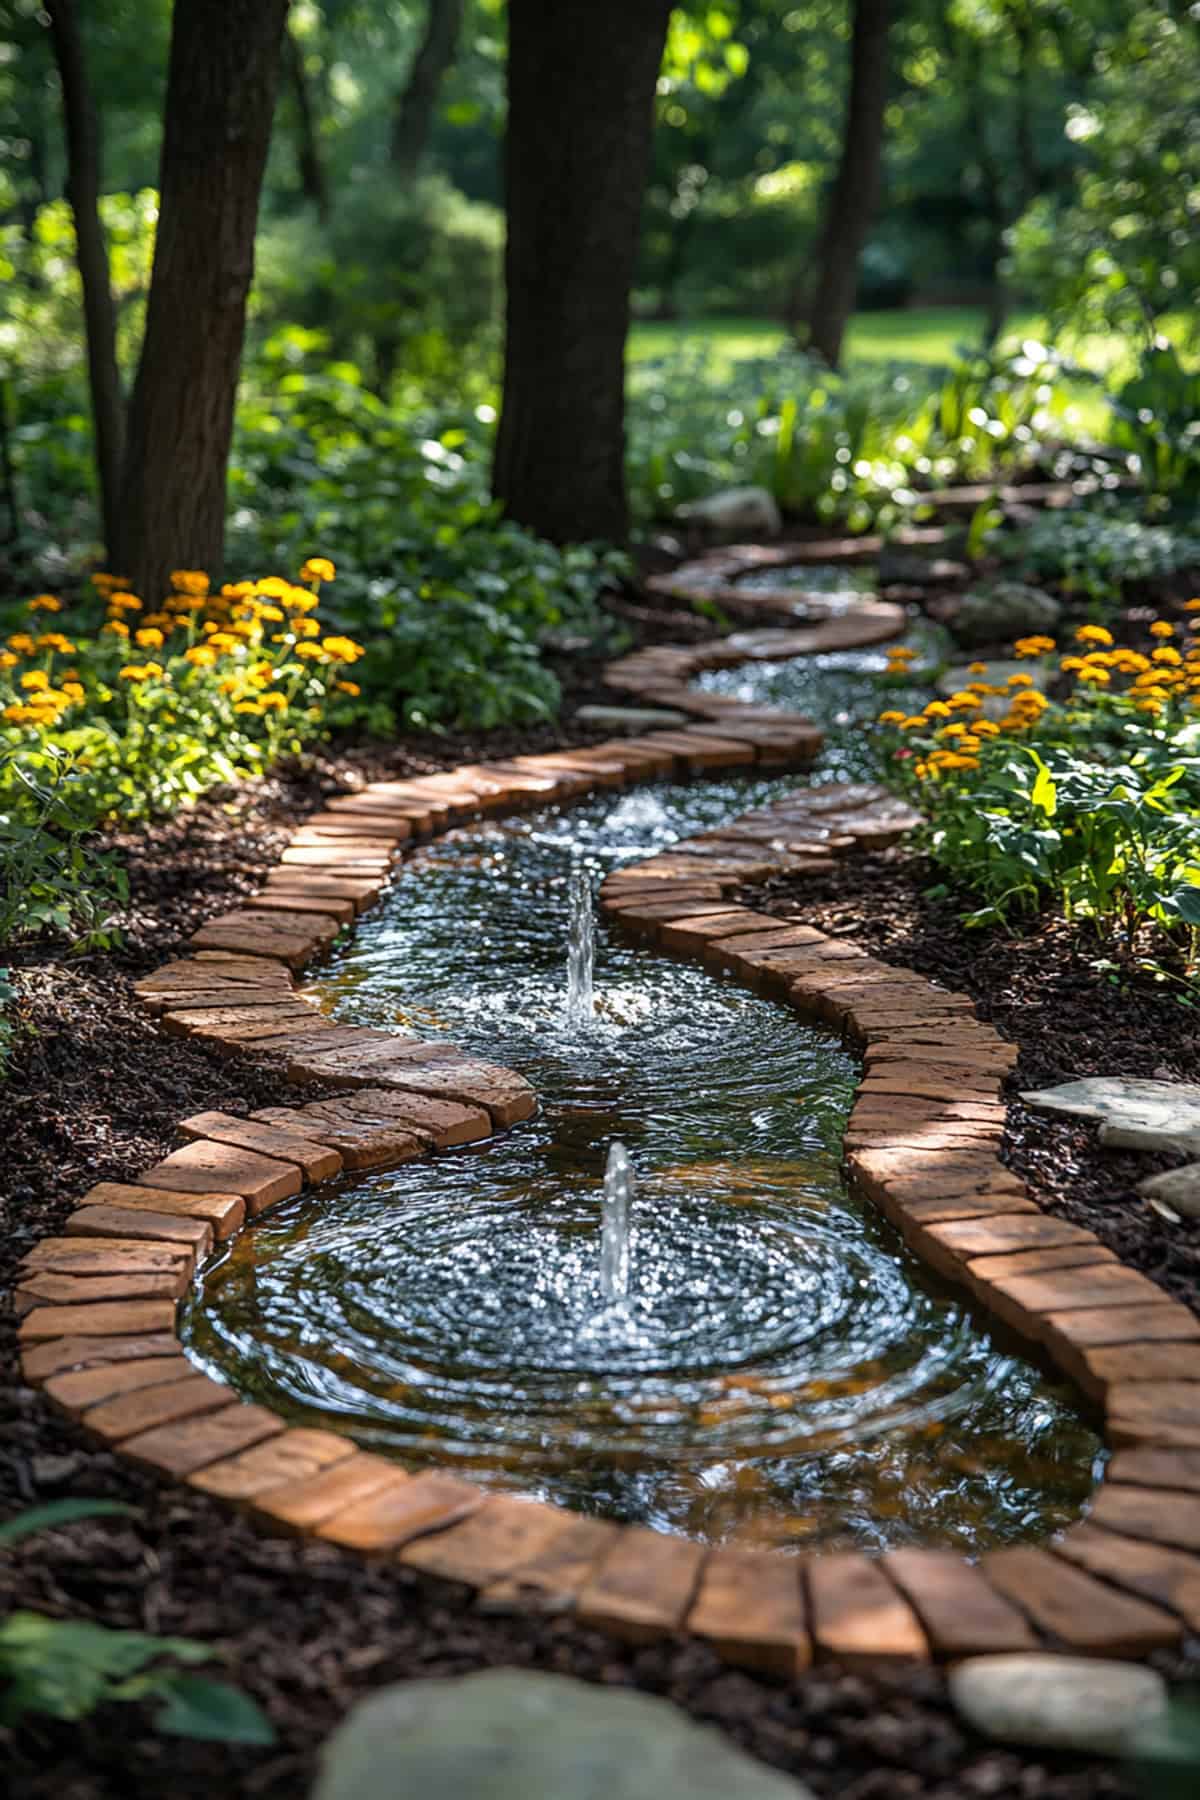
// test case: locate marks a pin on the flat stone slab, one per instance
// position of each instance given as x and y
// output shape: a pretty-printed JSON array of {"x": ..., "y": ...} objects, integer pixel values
[
  {"x": 203, "y": 1167},
  {"x": 1058, "y": 1702},
  {"x": 1178, "y": 1188},
  {"x": 513, "y": 1735},
  {"x": 1166, "y": 1109},
  {"x": 858, "y": 1615}
]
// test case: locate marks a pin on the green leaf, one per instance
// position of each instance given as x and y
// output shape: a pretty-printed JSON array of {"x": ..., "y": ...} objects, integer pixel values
[
  {"x": 199, "y": 1708},
  {"x": 1184, "y": 904},
  {"x": 58, "y": 1512}
]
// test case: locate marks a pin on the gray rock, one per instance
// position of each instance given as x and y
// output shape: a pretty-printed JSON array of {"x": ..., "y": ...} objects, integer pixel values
[
  {"x": 1004, "y": 611},
  {"x": 1178, "y": 1189},
  {"x": 1152, "y": 1111},
  {"x": 1058, "y": 1702},
  {"x": 630, "y": 718},
  {"x": 735, "y": 509},
  {"x": 510, "y": 1735},
  {"x": 1150, "y": 1137}
]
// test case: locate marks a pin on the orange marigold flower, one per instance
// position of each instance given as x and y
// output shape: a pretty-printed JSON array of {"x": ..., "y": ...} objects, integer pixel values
[
  {"x": 190, "y": 581},
  {"x": 1093, "y": 634},
  {"x": 149, "y": 638},
  {"x": 1162, "y": 629},
  {"x": 318, "y": 568},
  {"x": 45, "y": 603}
]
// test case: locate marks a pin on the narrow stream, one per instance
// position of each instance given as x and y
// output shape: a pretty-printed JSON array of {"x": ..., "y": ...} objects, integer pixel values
[{"x": 782, "y": 1373}]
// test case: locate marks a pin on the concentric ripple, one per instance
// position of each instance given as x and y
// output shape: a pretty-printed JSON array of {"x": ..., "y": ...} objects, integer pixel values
[{"x": 783, "y": 1373}]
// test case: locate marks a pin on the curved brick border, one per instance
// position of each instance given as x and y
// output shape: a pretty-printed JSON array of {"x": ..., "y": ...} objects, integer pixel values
[{"x": 99, "y": 1303}]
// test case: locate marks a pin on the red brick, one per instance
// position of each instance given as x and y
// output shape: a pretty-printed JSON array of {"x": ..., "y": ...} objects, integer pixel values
[
  {"x": 490, "y": 1542},
  {"x": 202, "y": 1167},
  {"x": 76, "y": 1389},
  {"x": 1163, "y": 1413},
  {"x": 116, "y": 1318},
  {"x": 401, "y": 1510},
  {"x": 316, "y": 1162},
  {"x": 961, "y": 1614},
  {"x": 1150, "y": 1513},
  {"x": 1070, "y": 1336},
  {"x": 107, "y": 1256},
  {"x": 226, "y": 1213},
  {"x": 360, "y": 1144},
  {"x": 127, "y": 1221},
  {"x": 41, "y": 1288},
  {"x": 1025, "y": 1301},
  {"x": 1068, "y": 1605},
  {"x": 181, "y": 1448},
  {"x": 1117, "y": 1365},
  {"x": 40, "y": 1361},
  {"x": 857, "y": 1615},
  {"x": 1169, "y": 1578},
  {"x": 551, "y": 1578},
  {"x": 180, "y": 1396},
  {"x": 750, "y": 1607},
  {"x": 305, "y": 1504},
  {"x": 292, "y": 1457},
  {"x": 1146, "y": 1467},
  {"x": 644, "y": 1587},
  {"x": 950, "y": 1245}
]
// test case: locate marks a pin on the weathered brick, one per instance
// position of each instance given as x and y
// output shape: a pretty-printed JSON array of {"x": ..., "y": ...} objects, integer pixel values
[
  {"x": 1067, "y": 1604},
  {"x": 490, "y": 1542},
  {"x": 316, "y": 1162},
  {"x": 644, "y": 1587},
  {"x": 115, "y": 1318},
  {"x": 224, "y": 1212},
  {"x": 203, "y": 1166},
  {"x": 95, "y": 1220},
  {"x": 961, "y": 1614},
  {"x": 857, "y": 1615},
  {"x": 291, "y": 1458},
  {"x": 182, "y": 1395},
  {"x": 750, "y": 1607},
  {"x": 1168, "y": 1578}
]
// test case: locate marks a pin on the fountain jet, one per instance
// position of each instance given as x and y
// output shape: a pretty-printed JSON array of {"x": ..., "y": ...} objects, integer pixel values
[
  {"x": 581, "y": 950},
  {"x": 614, "y": 1230}
]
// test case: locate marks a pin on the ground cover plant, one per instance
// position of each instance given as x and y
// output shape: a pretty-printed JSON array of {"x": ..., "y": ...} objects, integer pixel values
[{"x": 1080, "y": 785}]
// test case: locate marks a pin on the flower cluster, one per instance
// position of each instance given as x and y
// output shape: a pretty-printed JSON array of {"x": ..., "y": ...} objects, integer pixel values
[
  {"x": 204, "y": 685},
  {"x": 952, "y": 733}
]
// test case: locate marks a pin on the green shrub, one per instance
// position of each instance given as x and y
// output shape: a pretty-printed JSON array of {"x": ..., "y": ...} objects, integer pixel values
[{"x": 1096, "y": 552}]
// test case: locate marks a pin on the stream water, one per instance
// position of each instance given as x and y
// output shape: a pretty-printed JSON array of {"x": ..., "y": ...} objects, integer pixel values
[{"x": 780, "y": 1371}]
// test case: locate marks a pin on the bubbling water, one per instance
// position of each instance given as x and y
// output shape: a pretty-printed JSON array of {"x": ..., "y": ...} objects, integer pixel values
[
  {"x": 614, "y": 1227},
  {"x": 581, "y": 951}
]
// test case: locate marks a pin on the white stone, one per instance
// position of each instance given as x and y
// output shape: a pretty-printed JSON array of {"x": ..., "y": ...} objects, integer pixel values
[
  {"x": 1058, "y": 1702},
  {"x": 1178, "y": 1188},
  {"x": 507, "y": 1734},
  {"x": 735, "y": 509},
  {"x": 1123, "y": 1103}
]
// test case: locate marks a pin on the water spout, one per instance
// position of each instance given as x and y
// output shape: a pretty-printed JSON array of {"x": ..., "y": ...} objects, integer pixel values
[
  {"x": 581, "y": 950},
  {"x": 614, "y": 1230}
]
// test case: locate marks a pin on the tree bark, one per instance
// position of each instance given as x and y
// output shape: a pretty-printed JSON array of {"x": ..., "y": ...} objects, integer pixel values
[
  {"x": 221, "y": 81},
  {"x": 309, "y": 163},
  {"x": 581, "y": 79},
  {"x": 91, "y": 254},
  {"x": 413, "y": 120},
  {"x": 855, "y": 191}
]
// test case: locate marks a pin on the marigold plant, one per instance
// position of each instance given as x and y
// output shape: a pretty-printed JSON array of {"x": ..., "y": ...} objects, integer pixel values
[
  {"x": 148, "y": 705},
  {"x": 1079, "y": 779}
]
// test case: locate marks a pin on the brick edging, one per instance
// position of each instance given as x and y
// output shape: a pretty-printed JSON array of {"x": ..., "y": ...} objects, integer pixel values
[{"x": 99, "y": 1303}]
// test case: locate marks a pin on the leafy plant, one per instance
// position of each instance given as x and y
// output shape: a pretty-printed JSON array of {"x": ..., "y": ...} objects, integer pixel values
[
  {"x": 1097, "y": 553},
  {"x": 51, "y": 878},
  {"x": 64, "y": 1669}
]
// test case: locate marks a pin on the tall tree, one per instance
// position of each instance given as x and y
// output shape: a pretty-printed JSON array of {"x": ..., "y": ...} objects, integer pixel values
[
  {"x": 91, "y": 251},
  {"x": 855, "y": 191},
  {"x": 221, "y": 80},
  {"x": 581, "y": 79},
  {"x": 413, "y": 119}
]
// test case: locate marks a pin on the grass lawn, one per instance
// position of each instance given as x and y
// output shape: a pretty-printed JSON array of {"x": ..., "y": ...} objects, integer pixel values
[{"x": 931, "y": 335}]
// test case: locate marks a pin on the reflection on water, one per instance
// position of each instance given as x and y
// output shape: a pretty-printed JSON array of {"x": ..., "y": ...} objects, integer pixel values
[{"x": 783, "y": 1371}]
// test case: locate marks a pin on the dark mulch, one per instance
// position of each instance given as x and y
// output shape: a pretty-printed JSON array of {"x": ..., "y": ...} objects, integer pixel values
[
  {"x": 308, "y": 1630},
  {"x": 1040, "y": 986}
]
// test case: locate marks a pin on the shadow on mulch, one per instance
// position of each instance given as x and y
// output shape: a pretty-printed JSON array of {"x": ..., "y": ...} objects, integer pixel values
[{"x": 307, "y": 1629}]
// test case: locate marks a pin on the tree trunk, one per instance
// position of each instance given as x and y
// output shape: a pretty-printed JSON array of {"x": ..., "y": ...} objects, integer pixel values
[
  {"x": 221, "y": 80},
  {"x": 309, "y": 164},
  {"x": 581, "y": 78},
  {"x": 91, "y": 254},
  {"x": 413, "y": 119},
  {"x": 856, "y": 190}
]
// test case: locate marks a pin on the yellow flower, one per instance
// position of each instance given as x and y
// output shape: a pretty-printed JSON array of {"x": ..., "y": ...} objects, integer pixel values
[
  {"x": 22, "y": 715},
  {"x": 22, "y": 643},
  {"x": 117, "y": 627},
  {"x": 1093, "y": 676},
  {"x": 120, "y": 603},
  {"x": 36, "y": 678},
  {"x": 223, "y": 641},
  {"x": 104, "y": 582},
  {"x": 273, "y": 587},
  {"x": 45, "y": 603},
  {"x": 74, "y": 691},
  {"x": 1161, "y": 629},
  {"x": 342, "y": 649},
  {"x": 1034, "y": 646},
  {"x": 140, "y": 671},
  {"x": 271, "y": 613},
  {"x": 159, "y": 621},
  {"x": 299, "y": 599},
  {"x": 891, "y": 718},
  {"x": 8, "y": 660},
  {"x": 273, "y": 702},
  {"x": 1191, "y": 605},
  {"x": 250, "y": 706},
  {"x": 149, "y": 638},
  {"x": 201, "y": 656},
  {"x": 318, "y": 568},
  {"x": 977, "y": 668},
  {"x": 54, "y": 640},
  {"x": 937, "y": 709},
  {"x": 348, "y": 687},
  {"x": 1167, "y": 653},
  {"x": 1093, "y": 634},
  {"x": 986, "y": 728},
  {"x": 1019, "y": 681},
  {"x": 304, "y": 628},
  {"x": 190, "y": 581},
  {"x": 311, "y": 652}
]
